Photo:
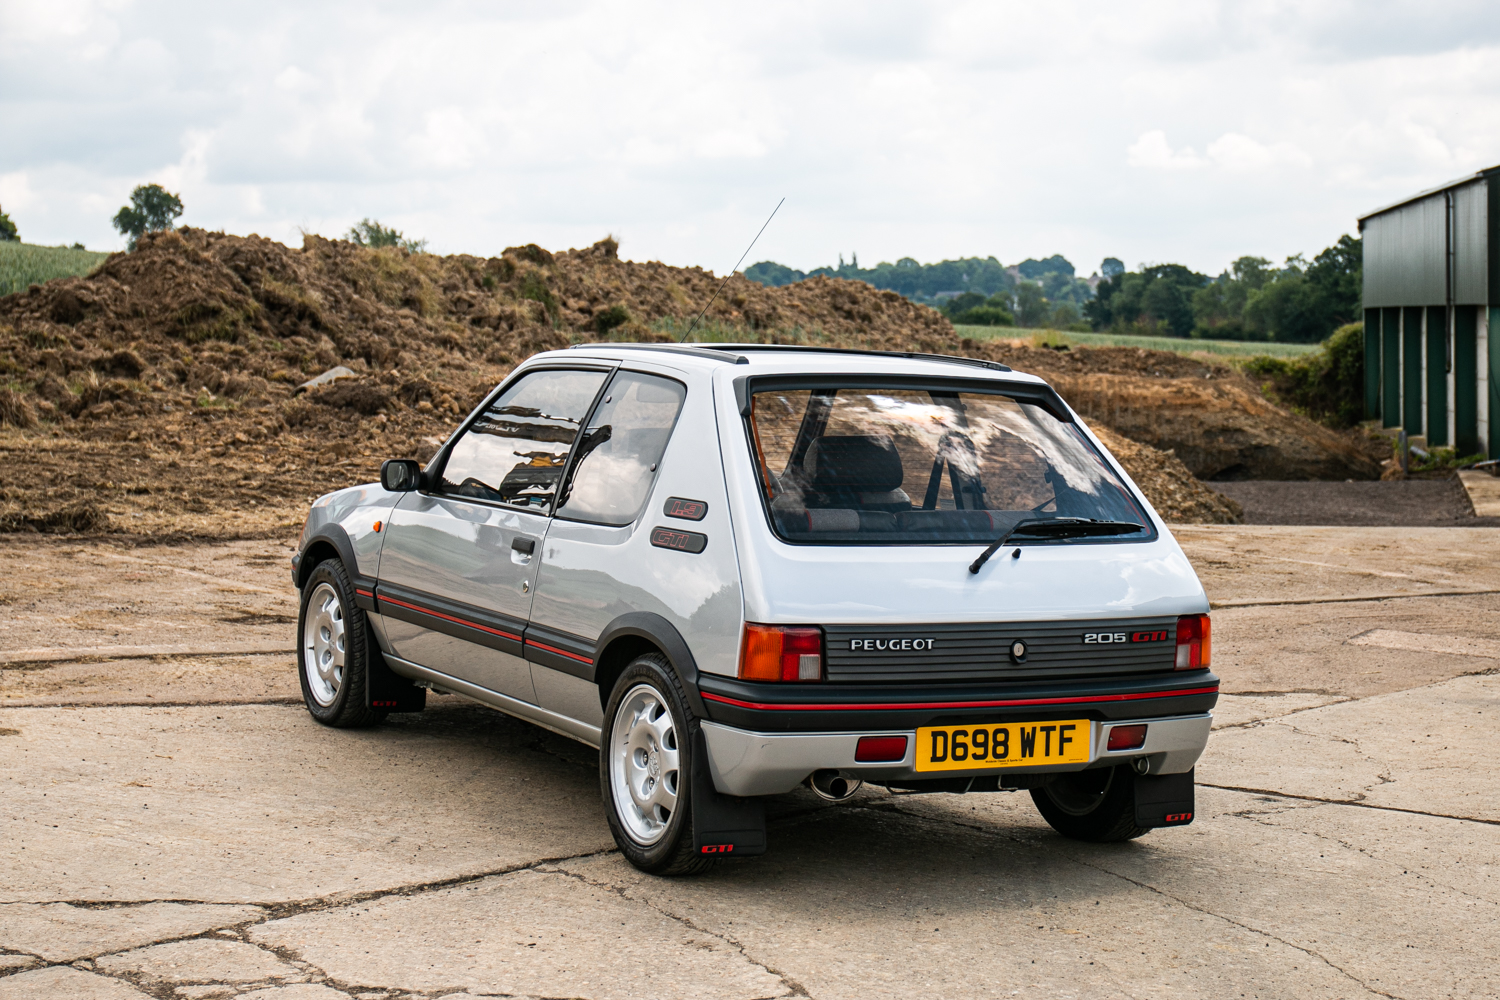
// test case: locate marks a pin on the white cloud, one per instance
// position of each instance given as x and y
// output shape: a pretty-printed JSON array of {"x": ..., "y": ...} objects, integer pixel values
[
  {"x": 894, "y": 129},
  {"x": 1153, "y": 152}
]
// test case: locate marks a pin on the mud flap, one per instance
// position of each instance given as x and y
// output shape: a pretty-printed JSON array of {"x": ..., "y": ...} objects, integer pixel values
[
  {"x": 723, "y": 825},
  {"x": 1164, "y": 799},
  {"x": 386, "y": 689}
]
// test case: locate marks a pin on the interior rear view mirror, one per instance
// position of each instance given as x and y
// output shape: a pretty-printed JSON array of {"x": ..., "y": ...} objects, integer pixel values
[{"x": 400, "y": 475}]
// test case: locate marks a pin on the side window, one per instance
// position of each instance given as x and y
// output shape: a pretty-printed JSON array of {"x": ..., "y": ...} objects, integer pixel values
[
  {"x": 515, "y": 451},
  {"x": 621, "y": 449}
]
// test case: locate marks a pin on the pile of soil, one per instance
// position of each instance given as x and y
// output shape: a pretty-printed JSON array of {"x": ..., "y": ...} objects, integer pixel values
[
  {"x": 1207, "y": 413},
  {"x": 160, "y": 395},
  {"x": 1175, "y": 493}
]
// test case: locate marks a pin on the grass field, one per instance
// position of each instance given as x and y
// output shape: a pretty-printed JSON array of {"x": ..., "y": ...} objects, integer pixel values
[
  {"x": 1241, "y": 348},
  {"x": 22, "y": 264}
]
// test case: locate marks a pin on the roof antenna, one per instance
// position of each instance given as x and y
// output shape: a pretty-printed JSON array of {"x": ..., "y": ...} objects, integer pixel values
[{"x": 694, "y": 323}]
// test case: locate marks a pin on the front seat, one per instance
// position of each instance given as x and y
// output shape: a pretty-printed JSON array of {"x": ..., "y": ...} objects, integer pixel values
[{"x": 859, "y": 471}]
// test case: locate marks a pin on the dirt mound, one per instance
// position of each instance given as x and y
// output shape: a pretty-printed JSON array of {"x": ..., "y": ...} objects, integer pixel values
[
  {"x": 163, "y": 389},
  {"x": 1208, "y": 414},
  {"x": 1167, "y": 483}
]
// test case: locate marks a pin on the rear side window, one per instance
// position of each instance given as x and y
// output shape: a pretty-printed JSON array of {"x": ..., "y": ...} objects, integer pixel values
[
  {"x": 516, "y": 450},
  {"x": 621, "y": 449},
  {"x": 900, "y": 465}
]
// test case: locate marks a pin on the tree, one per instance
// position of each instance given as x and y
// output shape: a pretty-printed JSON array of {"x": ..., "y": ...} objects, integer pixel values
[
  {"x": 8, "y": 232},
  {"x": 152, "y": 209},
  {"x": 370, "y": 233},
  {"x": 1032, "y": 307},
  {"x": 1032, "y": 269},
  {"x": 1111, "y": 267}
]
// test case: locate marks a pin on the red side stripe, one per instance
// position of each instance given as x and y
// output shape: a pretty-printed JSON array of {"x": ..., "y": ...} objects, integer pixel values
[
  {"x": 457, "y": 621},
  {"x": 559, "y": 652},
  {"x": 364, "y": 593},
  {"x": 904, "y": 706}
]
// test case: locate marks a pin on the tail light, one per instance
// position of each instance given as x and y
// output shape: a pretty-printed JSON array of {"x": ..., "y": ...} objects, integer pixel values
[
  {"x": 1192, "y": 642},
  {"x": 782, "y": 653}
]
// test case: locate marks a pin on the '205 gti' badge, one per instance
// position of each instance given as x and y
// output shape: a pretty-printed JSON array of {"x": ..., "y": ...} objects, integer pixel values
[{"x": 1159, "y": 635}]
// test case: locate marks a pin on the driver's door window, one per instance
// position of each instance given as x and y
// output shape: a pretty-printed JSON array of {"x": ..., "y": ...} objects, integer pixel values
[{"x": 514, "y": 453}]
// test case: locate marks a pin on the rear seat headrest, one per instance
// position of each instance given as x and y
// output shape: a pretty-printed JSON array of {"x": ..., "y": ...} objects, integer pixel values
[{"x": 854, "y": 462}]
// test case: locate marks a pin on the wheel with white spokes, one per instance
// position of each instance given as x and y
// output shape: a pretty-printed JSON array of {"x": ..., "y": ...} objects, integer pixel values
[
  {"x": 645, "y": 768},
  {"x": 333, "y": 642},
  {"x": 324, "y": 651},
  {"x": 645, "y": 764}
]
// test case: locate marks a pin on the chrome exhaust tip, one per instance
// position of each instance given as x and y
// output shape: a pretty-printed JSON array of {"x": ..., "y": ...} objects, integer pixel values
[{"x": 833, "y": 786}]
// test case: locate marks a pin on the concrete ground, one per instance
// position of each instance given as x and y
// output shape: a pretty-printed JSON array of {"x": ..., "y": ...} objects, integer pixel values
[{"x": 178, "y": 827}]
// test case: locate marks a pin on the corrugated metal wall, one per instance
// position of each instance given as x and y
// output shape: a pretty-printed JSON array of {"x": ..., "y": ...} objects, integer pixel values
[
  {"x": 1405, "y": 255},
  {"x": 1471, "y": 220}
]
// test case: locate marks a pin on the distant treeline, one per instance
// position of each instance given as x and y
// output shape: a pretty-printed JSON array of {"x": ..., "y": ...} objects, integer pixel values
[
  {"x": 1300, "y": 302},
  {"x": 975, "y": 290}
]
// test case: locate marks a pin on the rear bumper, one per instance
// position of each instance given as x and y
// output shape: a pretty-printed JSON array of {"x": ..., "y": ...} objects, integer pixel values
[{"x": 744, "y": 762}]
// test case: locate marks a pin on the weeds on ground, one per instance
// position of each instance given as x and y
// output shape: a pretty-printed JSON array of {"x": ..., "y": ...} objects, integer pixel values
[{"x": 1439, "y": 460}]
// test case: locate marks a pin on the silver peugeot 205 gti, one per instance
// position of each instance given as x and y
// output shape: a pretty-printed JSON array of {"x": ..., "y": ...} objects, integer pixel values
[{"x": 737, "y": 569}]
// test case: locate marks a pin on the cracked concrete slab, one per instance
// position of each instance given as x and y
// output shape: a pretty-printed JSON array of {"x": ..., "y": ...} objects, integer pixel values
[
  {"x": 61, "y": 932},
  {"x": 1427, "y": 750},
  {"x": 965, "y": 912},
  {"x": 533, "y": 932},
  {"x": 202, "y": 960},
  {"x": 1263, "y": 864},
  {"x": 1240, "y": 562},
  {"x": 1308, "y": 648},
  {"x": 1243, "y": 709},
  {"x": 61, "y": 982},
  {"x": 388, "y": 836},
  {"x": 261, "y": 804}
]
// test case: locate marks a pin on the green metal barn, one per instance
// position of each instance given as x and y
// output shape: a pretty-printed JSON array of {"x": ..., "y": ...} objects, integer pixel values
[{"x": 1432, "y": 314}]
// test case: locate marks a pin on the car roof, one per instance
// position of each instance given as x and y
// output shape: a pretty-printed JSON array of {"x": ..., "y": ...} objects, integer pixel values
[{"x": 778, "y": 359}]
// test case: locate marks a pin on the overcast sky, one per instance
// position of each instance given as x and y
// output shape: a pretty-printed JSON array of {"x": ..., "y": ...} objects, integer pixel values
[{"x": 1187, "y": 132}]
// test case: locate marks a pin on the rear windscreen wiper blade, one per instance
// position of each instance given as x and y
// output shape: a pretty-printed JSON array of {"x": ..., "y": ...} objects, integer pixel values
[{"x": 1056, "y": 527}]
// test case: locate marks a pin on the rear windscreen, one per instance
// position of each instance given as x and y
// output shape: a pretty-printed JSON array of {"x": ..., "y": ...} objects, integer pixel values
[{"x": 925, "y": 465}]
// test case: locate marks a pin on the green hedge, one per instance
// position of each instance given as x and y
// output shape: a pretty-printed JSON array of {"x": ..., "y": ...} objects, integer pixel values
[{"x": 1326, "y": 385}]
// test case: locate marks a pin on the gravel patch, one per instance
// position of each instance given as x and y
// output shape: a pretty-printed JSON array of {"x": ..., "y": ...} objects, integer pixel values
[{"x": 1410, "y": 503}]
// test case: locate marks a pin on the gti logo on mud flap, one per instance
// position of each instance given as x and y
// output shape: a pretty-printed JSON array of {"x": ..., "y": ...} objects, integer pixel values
[{"x": 716, "y": 848}]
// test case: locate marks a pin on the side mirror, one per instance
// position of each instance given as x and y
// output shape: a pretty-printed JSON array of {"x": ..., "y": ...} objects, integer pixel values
[{"x": 400, "y": 475}]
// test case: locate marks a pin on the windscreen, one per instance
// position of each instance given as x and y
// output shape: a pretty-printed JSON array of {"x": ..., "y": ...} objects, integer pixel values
[{"x": 926, "y": 465}]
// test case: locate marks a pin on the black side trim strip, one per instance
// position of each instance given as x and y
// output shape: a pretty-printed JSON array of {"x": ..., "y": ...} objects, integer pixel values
[
  {"x": 462, "y": 621},
  {"x": 560, "y": 650}
]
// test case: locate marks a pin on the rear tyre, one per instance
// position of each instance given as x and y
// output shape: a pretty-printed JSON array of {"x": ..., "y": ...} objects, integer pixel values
[
  {"x": 1097, "y": 805},
  {"x": 645, "y": 769},
  {"x": 333, "y": 650}
]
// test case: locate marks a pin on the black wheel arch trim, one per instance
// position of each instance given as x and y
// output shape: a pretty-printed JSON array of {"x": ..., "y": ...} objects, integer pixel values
[
  {"x": 662, "y": 634},
  {"x": 334, "y": 536}
]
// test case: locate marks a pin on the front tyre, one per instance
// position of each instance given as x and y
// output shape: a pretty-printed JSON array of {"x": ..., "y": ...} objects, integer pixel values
[
  {"x": 645, "y": 769},
  {"x": 334, "y": 644},
  {"x": 1096, "y": 805}
]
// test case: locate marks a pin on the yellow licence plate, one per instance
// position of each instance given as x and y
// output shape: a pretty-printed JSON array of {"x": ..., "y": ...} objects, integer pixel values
[{"x": 1014, "y": 744}]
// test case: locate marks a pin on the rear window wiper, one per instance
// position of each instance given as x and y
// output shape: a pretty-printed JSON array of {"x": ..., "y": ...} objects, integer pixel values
[{"x": 1057, "y": 527}]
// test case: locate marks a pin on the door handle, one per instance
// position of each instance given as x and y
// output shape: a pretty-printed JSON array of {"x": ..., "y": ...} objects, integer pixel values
[{"x": 523, "y": 545}]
